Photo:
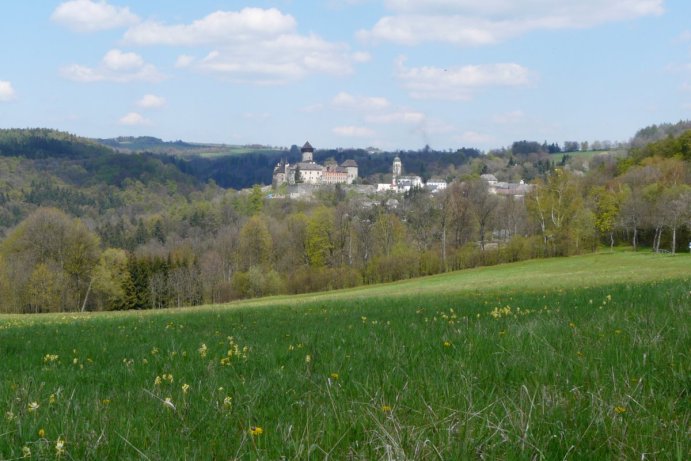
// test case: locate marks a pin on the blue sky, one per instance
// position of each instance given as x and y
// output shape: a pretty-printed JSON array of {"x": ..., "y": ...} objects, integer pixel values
[{"x": 394, "y": 74}]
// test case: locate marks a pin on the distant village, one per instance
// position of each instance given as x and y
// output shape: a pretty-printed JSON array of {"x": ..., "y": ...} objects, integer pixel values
[{"x": 303, "y": 178}]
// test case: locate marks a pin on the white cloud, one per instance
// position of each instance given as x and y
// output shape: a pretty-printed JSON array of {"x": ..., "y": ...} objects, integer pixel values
[
  {"x": 474, "y": 137},
  {"x": 400, "y": 117},
  {"x": 318, "y": 107},
  {"x": 246, "y": 25},
  {"x": 353, "y": 131},
  {"x": 278, "y": 60},
  {"x": 151, "y": 101},
  {"x": 508, "y": 118},
  {"x": 361, "y": 56},
  {"x": 184, "y": 60},
  {"x": 7, "y": 92},
  {"x": 459, "y": 83},
  {"x": 115, "y": 66},
  {"x": 345, "y": 100},
  {"x": 251, "y": 45},
  {"x": 90, "y": 16},
  {"x": 133, "y": 119},
  {"x": 118, "y": 61},
  {"x": 684, "y": 37},
  {"x": 469, "y": 22}
]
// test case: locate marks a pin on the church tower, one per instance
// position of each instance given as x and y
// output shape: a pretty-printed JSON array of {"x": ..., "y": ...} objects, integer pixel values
[
  {"x": 307, "y": 153},
  {"x": 397, "y": 169}
]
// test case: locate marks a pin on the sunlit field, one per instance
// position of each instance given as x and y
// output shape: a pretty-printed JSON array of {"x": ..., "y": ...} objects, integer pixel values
[{"x": 573, "y": 358}]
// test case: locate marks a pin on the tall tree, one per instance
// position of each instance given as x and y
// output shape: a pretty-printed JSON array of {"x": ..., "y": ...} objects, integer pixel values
[
  {"x": 65, "y": 245},
  {"x": 319, "y": 234},
  {"x": 255, "y": 243}
]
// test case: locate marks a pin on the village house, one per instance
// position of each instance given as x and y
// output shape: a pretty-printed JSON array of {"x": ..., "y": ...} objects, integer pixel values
[{"x": 515, "y": 190}]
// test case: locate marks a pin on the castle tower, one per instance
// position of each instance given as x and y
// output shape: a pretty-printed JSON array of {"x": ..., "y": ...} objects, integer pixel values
[{"x": 307, "y": 153}]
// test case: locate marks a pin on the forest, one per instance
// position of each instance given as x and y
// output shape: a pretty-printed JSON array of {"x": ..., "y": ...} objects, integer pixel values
[{"x": 84, "y": 227}]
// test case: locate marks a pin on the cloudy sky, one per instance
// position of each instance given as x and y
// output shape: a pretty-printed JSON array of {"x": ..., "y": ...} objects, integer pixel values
[{"x": 340, "y": 73}]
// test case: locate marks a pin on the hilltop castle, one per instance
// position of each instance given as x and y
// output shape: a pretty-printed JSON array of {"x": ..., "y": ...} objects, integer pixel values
[{"x": 309, "y": 172}]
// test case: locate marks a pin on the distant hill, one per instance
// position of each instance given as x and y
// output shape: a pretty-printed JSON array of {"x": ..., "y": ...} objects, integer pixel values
[
  {"x": 41, "y": 167},
  {"x": 150, "y": 144},
  {"x": 240, "y": 167},
  {"x": 659, "y": 132},
  {"x": 83, "y": 162},
  {"x": 38, "y": 143}
]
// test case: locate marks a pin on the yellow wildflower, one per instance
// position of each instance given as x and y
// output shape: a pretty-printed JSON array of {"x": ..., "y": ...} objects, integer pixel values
[
  {"x": 26, "y": 452},
  {"x": 33, "y": 406},
  {"x": 619, "y": 410},
  {"x": 185, "y": 388},
  {"x": 157, "y": 381},
  {"x": 447, "y": 344},
  {"x": 52, "y": 399},
  {"x": 334, "y": 376},
  {"x": 308, "y": 358},
  {"x": 228, "y": 402},
  {"x": 41, "y": 432},
  {"x": 59, "y": 447},
  {"x": 386, "y": 408},
  {"x": 203, "y": 350},
  {"x": 256, "y": 430}
]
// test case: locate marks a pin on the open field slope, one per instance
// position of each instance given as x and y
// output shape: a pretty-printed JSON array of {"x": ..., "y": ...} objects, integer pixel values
[{"x": 576, "y": 358}]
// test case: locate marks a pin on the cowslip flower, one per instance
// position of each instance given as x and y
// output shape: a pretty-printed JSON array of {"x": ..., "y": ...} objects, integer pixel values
[
  {"x": 59, "y": 447},
  {"x": 26, "y": 452},
  {"x": 185, "y": 388},
  {"x": 169, "y": 403},
  {"x": 33, "y": 406},
  {"x": 228, "y": 402}
]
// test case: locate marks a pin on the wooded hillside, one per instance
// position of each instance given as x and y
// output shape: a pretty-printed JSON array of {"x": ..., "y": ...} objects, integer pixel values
[{"x": 85, "y": 227}]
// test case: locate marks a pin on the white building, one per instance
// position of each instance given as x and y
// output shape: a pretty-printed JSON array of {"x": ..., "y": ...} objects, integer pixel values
[
  {"x": 506, "y": 188},
  {"x": 309, "y": 172},
  {"x": 401, "y": 183},
  {"x": 436, "y": 184}
]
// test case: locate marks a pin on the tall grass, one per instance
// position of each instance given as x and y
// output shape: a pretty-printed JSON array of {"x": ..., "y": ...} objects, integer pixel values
[{"x": 507, "y": 373}]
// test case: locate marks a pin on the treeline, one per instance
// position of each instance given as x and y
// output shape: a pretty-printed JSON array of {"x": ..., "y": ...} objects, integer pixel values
[
  {"x": 154, "y": 242},
  {"x": 163, "y": 249}
]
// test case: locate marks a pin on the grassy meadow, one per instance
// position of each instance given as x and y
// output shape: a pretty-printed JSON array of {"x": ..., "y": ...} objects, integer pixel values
[{"x": 569, "y": 358}]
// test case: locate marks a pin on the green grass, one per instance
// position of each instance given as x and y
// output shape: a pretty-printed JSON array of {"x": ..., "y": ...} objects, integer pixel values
[
  {"x": 588, "y": 154},
  {"x": 574, "y": 358},
  {"x": 227, "y": 151}
]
